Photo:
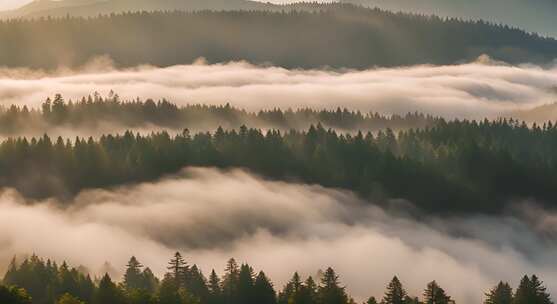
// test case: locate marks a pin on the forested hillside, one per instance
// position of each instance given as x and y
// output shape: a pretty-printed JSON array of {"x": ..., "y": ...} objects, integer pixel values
[
  {"x": 533, "y": 15},
  {"x": 441, "y": 166},
  {"x": 93, "y": 112},
  {"x": 336, "y": 35},
  {"x": 37, "y": 281}
]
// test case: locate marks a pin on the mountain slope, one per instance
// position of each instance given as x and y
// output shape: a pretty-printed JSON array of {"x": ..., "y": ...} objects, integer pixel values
[
  {"x": 531, "y": 15},
  {"x": 340, "y": 36}
]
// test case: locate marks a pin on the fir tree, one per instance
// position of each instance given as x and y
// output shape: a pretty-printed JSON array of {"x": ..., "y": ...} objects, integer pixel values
[
  {"x": 230, "y": 282},
  {"x": 133, "y": 278},
  {"x": 434, "y": 294},
  {"x": 263, "y": 291},
  {"x": 214, "y": 286},
  {"x": 500, "y": 294},
  {"x": 245, "y": 285},
  {"x": 108, "y": 292},
  {"x": 330, "y": 291},
  {"x": 395, "y": 293},
  {"x": 178, "y": 268}
]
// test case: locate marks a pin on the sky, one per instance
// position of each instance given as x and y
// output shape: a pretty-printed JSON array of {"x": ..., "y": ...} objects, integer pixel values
[{"x": 11, "y": 4}]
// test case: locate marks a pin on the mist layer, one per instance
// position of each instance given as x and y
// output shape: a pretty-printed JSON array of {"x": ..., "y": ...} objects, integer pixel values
[
  {"x": 475, "y": 90},
  {"x": 213, "y": 215}
]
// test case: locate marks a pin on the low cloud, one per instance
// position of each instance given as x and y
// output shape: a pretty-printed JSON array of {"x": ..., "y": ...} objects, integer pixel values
[
  {"x": 475, "y": 90},
  {"x": 212, "y": 215}
]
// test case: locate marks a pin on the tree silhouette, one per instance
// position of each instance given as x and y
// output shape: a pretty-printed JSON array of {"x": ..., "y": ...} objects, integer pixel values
[{"x": 395, "y": 293}]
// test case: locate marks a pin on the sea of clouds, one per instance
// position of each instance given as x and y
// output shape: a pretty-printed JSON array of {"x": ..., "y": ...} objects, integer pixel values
[
  {"x": 474, "y": 90},
  {"x": 212, "y": 215}
]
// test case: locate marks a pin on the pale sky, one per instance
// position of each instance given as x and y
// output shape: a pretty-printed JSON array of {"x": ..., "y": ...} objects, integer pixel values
[{"x": 11, "y": 4}]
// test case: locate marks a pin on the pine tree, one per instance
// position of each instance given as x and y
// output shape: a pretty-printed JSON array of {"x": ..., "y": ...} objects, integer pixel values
[
  {"x": 291, "y": 290},
  {"x": 395, "y": 293},
  {"x": 108, "y": 292},
  {"x": 330, "y": 291},
  {"x": 68, "y": 280},
  {"x": 245, "y": 284},
  {"x": 150, "y": 281},
  {"x": 133, "y": 278},
  {"x": 308, "y": 292},
  {"x": 215, "y": 291},
  {"x": 531, "y": 291},
  {"x": 500, "y": 294},
  {"x": 434, "y": 294},
  {"x": 263, "y": 291},
  {"x": 196, "y": 284},
  {"x": 542, "y": 296},
  {"x": 524, "y": 292},
  {"x": 178, "y": 268},
  {"x": 230, "y": 282}
]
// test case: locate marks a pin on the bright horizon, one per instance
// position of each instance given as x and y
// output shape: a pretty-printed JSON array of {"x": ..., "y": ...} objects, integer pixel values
[{"x": 15, "y": 4}]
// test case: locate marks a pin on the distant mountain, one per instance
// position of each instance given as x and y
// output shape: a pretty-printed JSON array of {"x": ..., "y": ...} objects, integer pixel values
[
  {"x": 88, "y": 8},
  {"x": 340, "y": 36},
  {"x": 530, "y": 15}
]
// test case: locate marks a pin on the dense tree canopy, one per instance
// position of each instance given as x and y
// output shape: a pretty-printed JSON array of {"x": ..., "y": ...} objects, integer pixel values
[
  {"x": 451, "y": 166},
  {"x": 361, "y": 38}
]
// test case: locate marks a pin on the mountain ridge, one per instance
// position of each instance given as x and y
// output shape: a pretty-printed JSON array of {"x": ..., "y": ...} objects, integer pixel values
[{"x": 534, "y": 16}]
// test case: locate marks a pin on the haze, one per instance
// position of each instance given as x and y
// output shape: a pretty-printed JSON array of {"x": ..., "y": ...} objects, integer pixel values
[{"x": 213, "y": 215}]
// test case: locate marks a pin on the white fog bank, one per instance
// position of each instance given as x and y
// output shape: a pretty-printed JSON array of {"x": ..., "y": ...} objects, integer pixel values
[
  {"x": 475, "y": 90},
  {"x": 212, "y": 215}
]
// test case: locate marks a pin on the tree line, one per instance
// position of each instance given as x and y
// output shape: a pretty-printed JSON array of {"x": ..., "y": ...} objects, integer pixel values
[
  {"x": 93, "y": 111},
  {"x": 346, "y": 36},
  {"x": 452, "y": 167},
  {"x": 34, "y": 281}
]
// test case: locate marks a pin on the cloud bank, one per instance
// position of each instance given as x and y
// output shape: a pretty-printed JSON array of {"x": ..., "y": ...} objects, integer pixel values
[
  {"x": 475, "y": 90},
  {"x": 213, "y": 215}
]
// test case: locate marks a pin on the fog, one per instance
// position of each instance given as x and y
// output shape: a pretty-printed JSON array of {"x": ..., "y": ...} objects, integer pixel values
[
  {"x": 12, "y": 4},
  {"x": 213, "y": 215},
  {"x": 474, "y": 90}
]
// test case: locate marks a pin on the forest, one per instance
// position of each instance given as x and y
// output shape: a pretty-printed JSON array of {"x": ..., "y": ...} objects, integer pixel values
[
  {"x": 444, "y": 166},
  {"x": 362, "y": 38},
  {"x": 350, "y": 154},
  {"x": 34, "y": 281},
  {"x": 94, "y": 111}
]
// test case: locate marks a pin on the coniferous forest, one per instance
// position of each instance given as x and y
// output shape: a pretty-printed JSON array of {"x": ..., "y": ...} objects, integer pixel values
[
  {"x": 240, "y": 283},
  {"x": 93, "y": 111},
  {"x": 361, "y": 37},
  {"x": 443, "y": 166},
  {"x": 349, "y": 154}
]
